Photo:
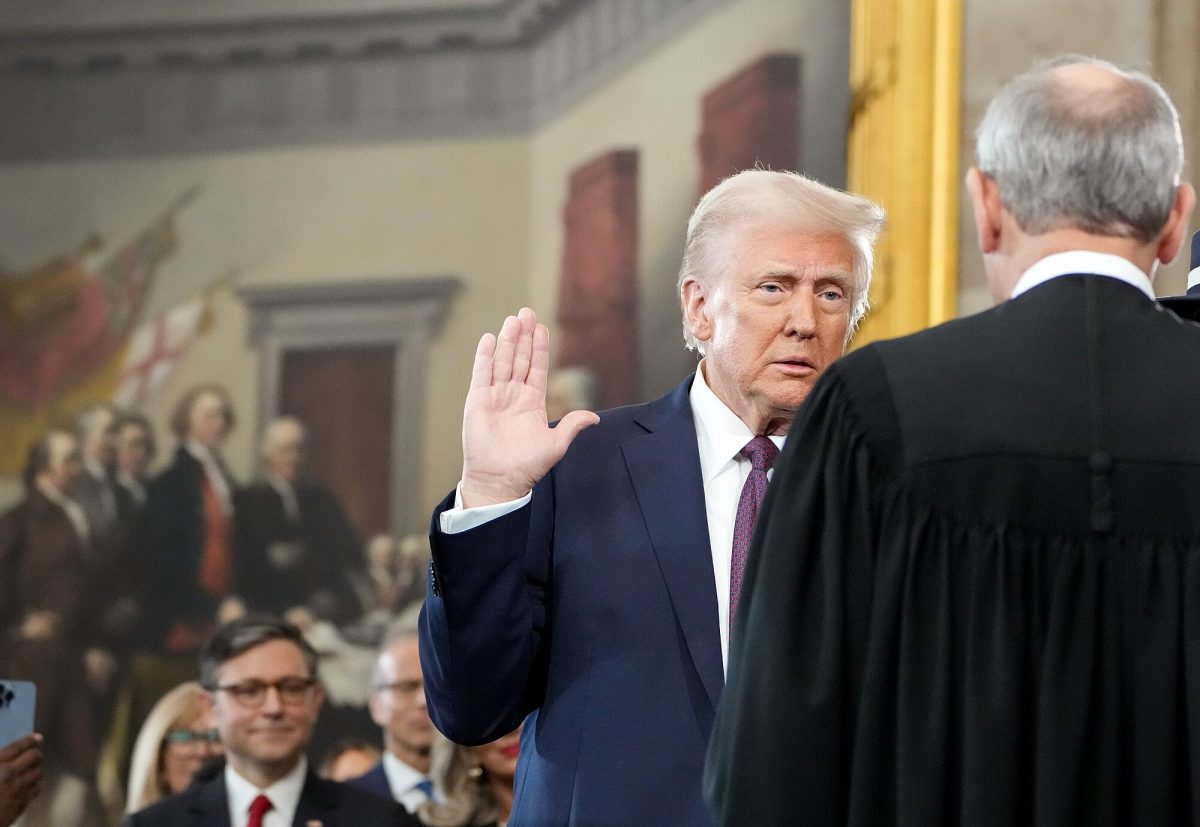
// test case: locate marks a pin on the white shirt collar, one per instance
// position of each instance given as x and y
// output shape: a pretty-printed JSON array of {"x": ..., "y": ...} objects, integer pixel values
[
  {"x": 720, "y": 434},
  {"x": 71, "y": 508},
  {"x": 1083, "y": 262},
  {"x": 95, "y": 469},
  {"x": 284, "y": 795},
  {"x": 402, "y": 781}
]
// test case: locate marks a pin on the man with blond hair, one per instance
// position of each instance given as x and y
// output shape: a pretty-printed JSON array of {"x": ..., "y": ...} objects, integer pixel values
[{"x": 583, "y": 575}]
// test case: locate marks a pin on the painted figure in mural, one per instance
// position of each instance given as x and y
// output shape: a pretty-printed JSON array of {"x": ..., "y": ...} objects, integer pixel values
[
  {"x": 295, "y": 546},
  {"x": 582, "y": 575},
  {"x": 136, "y": 448},
  {"x": 94, "y": 489},
  {"x": 972, "y": 595},
  {"x": 184, "y": 549},
  {"x": 50, "y": 633}
]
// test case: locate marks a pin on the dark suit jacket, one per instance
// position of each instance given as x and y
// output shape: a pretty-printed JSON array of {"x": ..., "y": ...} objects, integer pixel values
[
  {"x": 331, "y": 552},
  {"x": 593, "y": 610},
  {"x": 374, "y": 780},
  {"x": 205, "y": 804},
  {"x": 971, "y": 597},
  {"x": 169, "y": 545}
]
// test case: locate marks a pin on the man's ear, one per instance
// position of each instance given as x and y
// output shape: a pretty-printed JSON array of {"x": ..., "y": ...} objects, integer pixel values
[
  {"x": 694, "y": 297},
  {"x": 985, "y": 202},
  {"x": 1175, "y": 231}
]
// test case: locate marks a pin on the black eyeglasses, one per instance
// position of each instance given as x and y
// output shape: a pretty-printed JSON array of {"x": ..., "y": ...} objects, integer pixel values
[
  {"x": 251, "y": 694},
  {"x": 191, "y": 736}
]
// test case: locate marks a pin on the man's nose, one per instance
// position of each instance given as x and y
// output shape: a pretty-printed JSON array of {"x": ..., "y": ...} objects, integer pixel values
[
  {"x": 802, "y": 314},
  {"x": 272, "y": 701}
]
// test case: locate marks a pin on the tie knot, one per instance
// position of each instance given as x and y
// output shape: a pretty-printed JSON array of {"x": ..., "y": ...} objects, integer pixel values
[
  {"x": 258, "y": 808},
  {"x": 761, "y": 452}
]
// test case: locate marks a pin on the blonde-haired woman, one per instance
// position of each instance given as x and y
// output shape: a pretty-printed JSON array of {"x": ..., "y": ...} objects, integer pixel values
[
  {"x": 177, "y": 738},
  {"x": 475, "y": 783}
]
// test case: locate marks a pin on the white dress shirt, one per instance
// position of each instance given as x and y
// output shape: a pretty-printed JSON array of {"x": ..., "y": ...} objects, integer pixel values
[
  {"x": 720, "y": 437},
  {"x": 284, "y": 795},
  {"x": 1083, "y": 262},
  {"x": 402, "y": 780}
]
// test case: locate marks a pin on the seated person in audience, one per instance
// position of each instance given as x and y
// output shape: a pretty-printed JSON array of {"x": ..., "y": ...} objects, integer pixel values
[
  {"x": 476, "y": 782},
  {"x": 261, "y": 677},
  {"x": 176, "y": 740},
  {"x": 349, "y": 759},
  {"x": 398, "y": 706}
]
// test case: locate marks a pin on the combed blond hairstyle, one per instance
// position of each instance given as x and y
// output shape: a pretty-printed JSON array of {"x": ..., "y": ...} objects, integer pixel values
[
  {"x": 763, "y": 197},
  {"x": 179, "y": 707}
]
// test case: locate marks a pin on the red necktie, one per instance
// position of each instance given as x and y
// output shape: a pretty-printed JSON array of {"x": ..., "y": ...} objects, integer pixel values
[
  {"x": 258, "y": 808},
  {"x": 761, "y": 452}
]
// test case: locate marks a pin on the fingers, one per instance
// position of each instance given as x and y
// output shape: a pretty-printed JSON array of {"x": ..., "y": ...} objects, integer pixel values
[
  {"x": 506, "y": 349},
  {"x": 25, "y": 744},
  {"x": 571, "y": 425},
  {"x": 514, "y": 350},
  {"x": 525, "y": 344},
  {"x": 481, "y": 371},
  {"x": 539, "y": 363}
]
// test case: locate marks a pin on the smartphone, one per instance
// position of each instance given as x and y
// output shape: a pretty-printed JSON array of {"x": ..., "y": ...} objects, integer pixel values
[{"x": 17, "y": 701}]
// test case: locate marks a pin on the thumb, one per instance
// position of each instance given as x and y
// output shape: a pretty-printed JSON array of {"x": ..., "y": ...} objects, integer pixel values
[{"x": 570, "y": 426}]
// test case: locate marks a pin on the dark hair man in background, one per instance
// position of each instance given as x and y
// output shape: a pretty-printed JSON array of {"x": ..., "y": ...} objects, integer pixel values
[
  {"x": 972, "y": 596},
  {"x": 262, "y": 676}
]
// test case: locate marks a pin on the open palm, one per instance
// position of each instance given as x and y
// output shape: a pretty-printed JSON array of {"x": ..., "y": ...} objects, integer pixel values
[{"x": 507, "y": 443}]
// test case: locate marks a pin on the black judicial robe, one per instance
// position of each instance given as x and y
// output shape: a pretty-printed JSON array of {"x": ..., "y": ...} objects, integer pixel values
[{"x": 974, "y": 595}]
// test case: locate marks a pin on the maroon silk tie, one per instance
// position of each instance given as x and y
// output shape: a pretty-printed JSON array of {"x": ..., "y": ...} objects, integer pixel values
[
  {"x": 258, "y": 808},
  {"x": 761, "y": 452}
]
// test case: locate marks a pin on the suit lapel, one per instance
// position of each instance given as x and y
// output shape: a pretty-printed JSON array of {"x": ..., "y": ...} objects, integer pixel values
[
  {"x": 316, "y": 801},
  {"x": 664, "y": 467},
  {"x": 210, "y": 805}
]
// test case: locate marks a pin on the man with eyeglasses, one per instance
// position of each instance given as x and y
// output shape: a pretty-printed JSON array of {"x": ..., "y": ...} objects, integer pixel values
[
  {"x": 262, "y": 677},
  {"x": 398, "y": 705}
]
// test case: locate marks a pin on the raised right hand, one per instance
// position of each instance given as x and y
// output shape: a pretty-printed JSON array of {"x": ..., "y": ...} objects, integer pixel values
[{"x": 507, "y": 443}]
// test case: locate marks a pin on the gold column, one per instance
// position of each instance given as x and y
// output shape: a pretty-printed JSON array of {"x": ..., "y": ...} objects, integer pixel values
[{"x": 905, "y": 68}]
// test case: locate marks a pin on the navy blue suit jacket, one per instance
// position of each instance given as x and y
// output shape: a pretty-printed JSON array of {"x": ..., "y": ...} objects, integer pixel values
[
  {"x": 594, "y": 611},
  {"x": 374, "y": 780}
]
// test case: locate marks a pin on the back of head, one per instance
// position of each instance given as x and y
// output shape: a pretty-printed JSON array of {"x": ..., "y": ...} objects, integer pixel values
[
  {"x": 1080, "y": 143},
  {"x": 761, "y": 197}
]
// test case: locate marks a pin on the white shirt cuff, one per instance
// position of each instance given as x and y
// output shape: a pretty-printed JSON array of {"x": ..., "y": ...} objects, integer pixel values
[{"x": 458, "y": 519}]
